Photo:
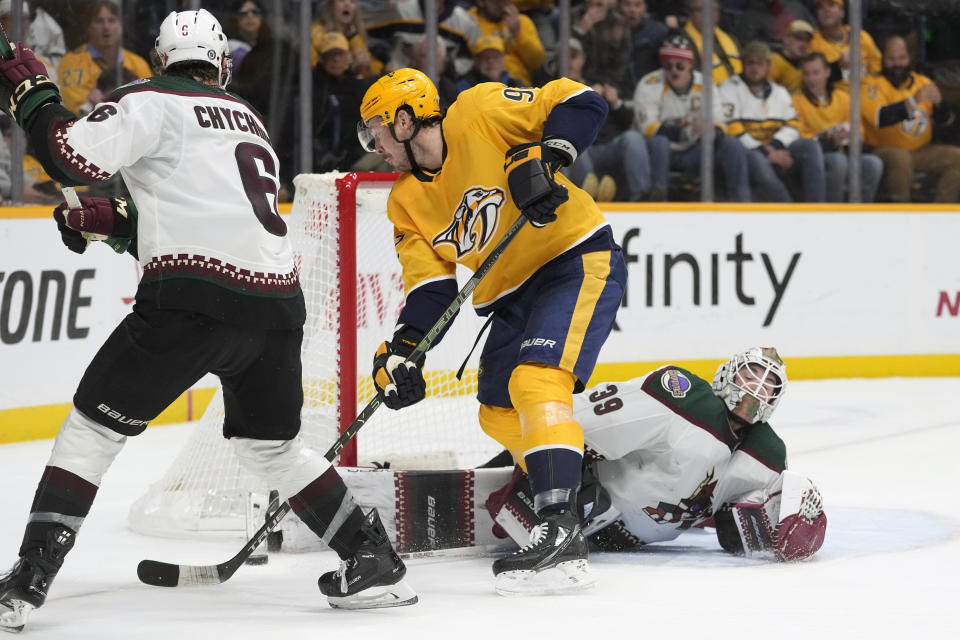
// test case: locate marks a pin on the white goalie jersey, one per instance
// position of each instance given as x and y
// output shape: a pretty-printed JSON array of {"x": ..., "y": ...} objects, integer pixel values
[{"x": 666, "y": 454}]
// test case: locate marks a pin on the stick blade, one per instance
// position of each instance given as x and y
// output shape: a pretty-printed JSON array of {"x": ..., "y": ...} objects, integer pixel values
[{"x": 158, "y": 574}]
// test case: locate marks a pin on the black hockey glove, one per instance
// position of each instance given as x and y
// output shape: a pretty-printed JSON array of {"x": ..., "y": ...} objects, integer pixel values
[
  {"x": 530, "y": 168},
  {"x": 25, "y": 86},
  {"x": 399, "y": 382},
  {"x": 112, "y": 220}
]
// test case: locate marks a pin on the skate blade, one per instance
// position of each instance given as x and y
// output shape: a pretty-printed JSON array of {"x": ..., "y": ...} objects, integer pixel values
[
  {"x": 567, "y": 577},
  {"x": 14, "y": 615},
  {"x": 380, "y": 597}
]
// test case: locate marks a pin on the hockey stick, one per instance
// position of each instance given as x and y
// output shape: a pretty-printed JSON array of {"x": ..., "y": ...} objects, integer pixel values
[
  {"x": 165, "y": 574},
  {"x": 6, "y": 52}
]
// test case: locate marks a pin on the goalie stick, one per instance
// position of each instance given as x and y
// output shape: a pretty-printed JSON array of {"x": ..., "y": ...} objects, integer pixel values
[
  {"x": 166, "y": 574},
  {"x": 6, "y": 52}
]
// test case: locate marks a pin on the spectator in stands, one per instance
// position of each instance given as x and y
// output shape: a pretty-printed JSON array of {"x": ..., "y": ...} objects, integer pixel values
[
  {"x": 832, "y": 39},
  {"x": 824, "y": 113},
  {"x": 267, "y": 77},
  {"x": 619, "y": 153},
  {"x": 899, "y": 106},
  {"x": 761, "y": 114},
  {"x": 80, "y": 68},
  {"x": 603, "y": 33},
  {"x": 43, "y": 35},
  {"x": 38, "y": 187},
  {"x": 667, "y": 105},
  {"x": 342, "y": 16},
  {"x": 400, "y": 24},
  {"x": 524, "y": 53},
  {"x": 446, "y": 80},
  {"x": 785, "y": 66},
  {"x": 644, "y": 37},
  {"x": 488, "y": 64},
  {"x": 543, "y": 14},
  {"x": 337, "y": 92},
  {"x": 248, "y": 23},
  {"x": 767, "y": 20},
  {"x": 726, "y": 51}
]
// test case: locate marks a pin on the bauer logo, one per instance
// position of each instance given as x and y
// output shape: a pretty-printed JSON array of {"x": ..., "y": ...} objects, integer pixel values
[
  {"x": 538, "y": 342},
  {"x": 676, "y": 383},
  {"x": 474, "y": 221}
]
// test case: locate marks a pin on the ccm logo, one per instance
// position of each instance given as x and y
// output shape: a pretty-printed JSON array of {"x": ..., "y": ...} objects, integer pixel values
[{"x": 538, "y": 342}]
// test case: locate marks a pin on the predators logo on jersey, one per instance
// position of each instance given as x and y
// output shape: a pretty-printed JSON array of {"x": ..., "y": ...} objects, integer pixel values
[{"x": 474, "y": 221}]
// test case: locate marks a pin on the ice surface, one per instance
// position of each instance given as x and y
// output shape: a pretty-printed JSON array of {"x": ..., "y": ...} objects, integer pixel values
[{"x": 883, "y": 453}]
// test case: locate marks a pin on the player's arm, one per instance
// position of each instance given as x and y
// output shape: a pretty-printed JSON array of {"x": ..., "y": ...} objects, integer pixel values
[
  {"x": 566, "y": 117},
  {"x": 430, "y": 284},
  {"x": 71, "y": 151},
  {"x": 762, "y": 508}
]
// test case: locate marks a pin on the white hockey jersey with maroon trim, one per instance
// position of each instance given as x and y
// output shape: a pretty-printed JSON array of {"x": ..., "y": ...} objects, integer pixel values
[
  {"x": 199, "y": 166},
  {"x": 667, "y": 455}
]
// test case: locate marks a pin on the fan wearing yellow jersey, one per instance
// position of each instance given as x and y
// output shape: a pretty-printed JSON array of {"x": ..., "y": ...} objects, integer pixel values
[
  {"x": 832, "y": 39},
  {"x": 899, "y": 107},
  {"x": 726, "y": 51},
  {"x": 553, "y": 294},
  {"x": 824, "y": 113},
  {"x": 785, "y": 66}
]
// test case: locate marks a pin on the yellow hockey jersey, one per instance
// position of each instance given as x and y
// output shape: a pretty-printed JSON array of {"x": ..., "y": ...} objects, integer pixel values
[
  {"x": 79, "y": 71},
  {"x": 461, "y": 215},
  {"x": 524, "y": 53},
  {"x": 817, "y": 116},
  {"x": 912, "y": 133},
  {"x": 785, "y": 72},
  {"x": 724, "y": 45},
  {"x": 833, "y": 51}
]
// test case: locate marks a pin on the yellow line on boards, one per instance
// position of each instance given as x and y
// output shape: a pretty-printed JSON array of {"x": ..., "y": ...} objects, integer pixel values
[
  {"x": 809, "y": 368},
  {"x": 38, "y": 423}
]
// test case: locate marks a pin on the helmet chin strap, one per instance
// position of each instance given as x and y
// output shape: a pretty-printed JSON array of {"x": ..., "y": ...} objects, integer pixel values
[{"x": 421, "y": 174}]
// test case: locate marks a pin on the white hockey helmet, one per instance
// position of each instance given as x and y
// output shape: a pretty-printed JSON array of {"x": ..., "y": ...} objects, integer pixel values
[
  {"x": 194, "y": 36},
  {"x": 751, "y": 383}
]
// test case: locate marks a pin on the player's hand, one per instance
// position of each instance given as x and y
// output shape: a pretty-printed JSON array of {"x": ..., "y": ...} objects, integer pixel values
[
  {"x": 530, "y": 168},
  {"x": 96, "y": 219},
  {"x": 399, "y": 382},
  {"x": 73, "y": 239},
  {"x": 24, "y": 83}
]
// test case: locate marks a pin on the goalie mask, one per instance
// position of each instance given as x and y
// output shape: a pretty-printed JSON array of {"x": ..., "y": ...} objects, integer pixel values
[
  {"x": 194, "y": 36},
  {"x": 752, "y": 383}
]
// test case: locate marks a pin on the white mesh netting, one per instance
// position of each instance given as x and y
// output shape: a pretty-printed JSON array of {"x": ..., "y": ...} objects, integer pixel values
[{"x": 206, "y": 491}]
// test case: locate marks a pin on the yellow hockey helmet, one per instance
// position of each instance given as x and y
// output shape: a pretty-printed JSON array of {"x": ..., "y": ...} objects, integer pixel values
[{"x": 398, "y": 88}]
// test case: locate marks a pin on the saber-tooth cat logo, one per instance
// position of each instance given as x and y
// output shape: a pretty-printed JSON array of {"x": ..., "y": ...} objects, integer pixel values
[{"x": 474, "y": 221}]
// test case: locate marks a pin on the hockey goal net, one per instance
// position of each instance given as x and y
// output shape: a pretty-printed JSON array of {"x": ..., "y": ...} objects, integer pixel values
[{"x": 351, "y": 281}]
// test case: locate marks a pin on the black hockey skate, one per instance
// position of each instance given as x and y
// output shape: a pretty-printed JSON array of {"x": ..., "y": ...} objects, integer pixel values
[
  {"x": 373, "y": 577},
  {"x": 24, "y": 588},
  {"x": 555, "y": 561}
]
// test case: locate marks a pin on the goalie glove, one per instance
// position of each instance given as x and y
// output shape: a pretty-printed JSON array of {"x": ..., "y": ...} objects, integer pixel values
[
  {"x": 399, "y": 382},
  {"x": 111, "y": 220},
  {"x": 789, "y": 525},
  {"x": 25, "y": 86},
  {"x": 530, "y": 169}
]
